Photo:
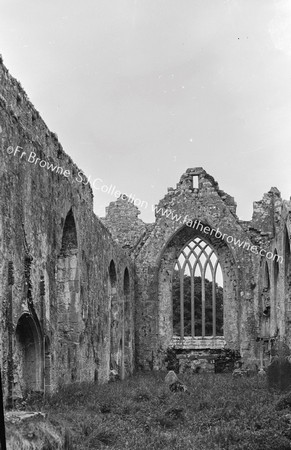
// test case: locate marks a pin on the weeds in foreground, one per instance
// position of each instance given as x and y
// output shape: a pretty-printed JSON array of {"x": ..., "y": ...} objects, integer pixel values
[{"x": 141, "y": 413}]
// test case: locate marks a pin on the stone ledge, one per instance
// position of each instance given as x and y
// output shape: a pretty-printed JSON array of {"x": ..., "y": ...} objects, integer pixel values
[
  {"x": 197, "y": 343},
  {"x": 29, "y": 430},
  {"x": 20, "y": 416}
]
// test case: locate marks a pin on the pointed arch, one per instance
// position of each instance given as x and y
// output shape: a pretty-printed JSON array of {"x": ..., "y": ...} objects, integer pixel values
[
  {"x": 126, "y": 282},
  {"x": 112, "y": 274},
  {"x": 69, "y": 237},
  {"x": 127, "y": 314},
  {"x": 116, "y": 322},
  {"x": 265, "y": 301},
  {"x": 29, "y": 351},
  {"x": 201, "y": 256},
  {"x": 276, "y": 271},
  {"x": 68, "y": 303},
  {"x": 197, "y": 292}
]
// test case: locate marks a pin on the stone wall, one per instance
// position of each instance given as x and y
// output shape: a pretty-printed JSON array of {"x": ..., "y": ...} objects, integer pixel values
[
  {"x": 250, "y": 326},
  {"x": 209, "y": 207},
  {"x": 56, "y": 321},
  {"x": 124, "y": 224},
  {"x": 81, "y": 295},
  {"x": 272, "y": 292}
]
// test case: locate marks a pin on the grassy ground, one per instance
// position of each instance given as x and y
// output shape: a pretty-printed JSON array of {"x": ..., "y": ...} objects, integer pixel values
[{"x": 141, "y": 413}]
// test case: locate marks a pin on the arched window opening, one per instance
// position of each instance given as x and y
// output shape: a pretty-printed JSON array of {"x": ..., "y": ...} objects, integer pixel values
[
  {"x": 126, "y": 282},
  {"x": 266, "y": 281},
  {"x": 68, "y": 300},
  {"x": 266, "y": 291},
  {"x": 69, "y": 240},
  {"x": 112, "y": 275},
  {"x": 275, "y": 284},
  {"x": 28, "y": 342},
  {"x": 197, "y": 291},
  {"x": 276, "y": 274},
  {"x": 116, "y": 322},
  {"x": 276, "y": 267},
  {"x": 127, "y": 324},
  {"x": 265, "y": 308}
]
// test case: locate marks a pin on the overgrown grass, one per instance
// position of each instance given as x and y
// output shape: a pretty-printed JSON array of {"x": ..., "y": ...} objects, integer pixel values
[
  {"x": 141, "y": 413},
  {"x": 35, "y": 435}
]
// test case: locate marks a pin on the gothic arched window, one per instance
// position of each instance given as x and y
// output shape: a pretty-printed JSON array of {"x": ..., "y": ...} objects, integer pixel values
[
  {"x": 197, "y": 291},
  {"x": 265, "y": 301}
]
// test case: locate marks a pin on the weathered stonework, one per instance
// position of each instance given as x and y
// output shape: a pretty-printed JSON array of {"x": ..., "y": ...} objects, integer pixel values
[
  {"x": 125, "y": 226},
  {"x": 62, "y": 320},
  {"x": 256, "y": 313},
  {"x": 81, "y": 296}
]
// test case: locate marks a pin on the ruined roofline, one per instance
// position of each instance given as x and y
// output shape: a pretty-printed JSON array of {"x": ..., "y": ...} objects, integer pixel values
[
  {"x": 204, "y": 180},
  {"x": 199, "y": 171},
  {"x": 14, "y": 100},
  {"x": 124, "y": 203},
  {"x": 228, "y": 200},
  {"x": 273, "y": 193}
]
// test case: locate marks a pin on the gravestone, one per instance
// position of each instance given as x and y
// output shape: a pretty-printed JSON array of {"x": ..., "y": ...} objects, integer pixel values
[{"x": 279, "y": 371}]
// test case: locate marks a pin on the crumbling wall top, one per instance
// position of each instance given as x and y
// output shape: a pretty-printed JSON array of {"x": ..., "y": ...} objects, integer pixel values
[
  {"x": 22, "y": 126},
  {"x": 123, "y": 223},
  {"x": 196, "y": 180},
  {"x": 265, "y": 210}
]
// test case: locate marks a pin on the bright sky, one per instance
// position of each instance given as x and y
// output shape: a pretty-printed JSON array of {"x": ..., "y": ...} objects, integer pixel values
[{"x": 139, "y": 90}]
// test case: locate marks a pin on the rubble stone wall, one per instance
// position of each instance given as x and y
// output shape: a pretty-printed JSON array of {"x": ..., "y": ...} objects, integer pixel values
[
  {"x": 80, "y": 296},
  {"x": 251, "y": 327},
  {"x": 56, "y": 325}
]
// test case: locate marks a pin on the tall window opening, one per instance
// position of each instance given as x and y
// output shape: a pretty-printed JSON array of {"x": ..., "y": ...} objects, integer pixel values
[
  {"x": 116, "y": 341},
  {"x": 112, "y": 277},
  {"x": 197, "y": 291},
  {"x": 68, "y": 289},
  {"x": 276, "y": 268},
  {"x": 69, "y": 240},
  {"x": 127, "y": 322},
  {"x": 29, "y": 347},
  {"x": 126, "y": 283},
  {"x": 275, "y": 278},
  {"x": 266, "y": 303}
]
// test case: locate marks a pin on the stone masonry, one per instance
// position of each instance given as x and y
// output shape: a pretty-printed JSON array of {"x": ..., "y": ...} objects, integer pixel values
[
  {"x": 256, "y": 296},
  {"x": 67, "y": 289},
  {"x": 81, "y": 296}
]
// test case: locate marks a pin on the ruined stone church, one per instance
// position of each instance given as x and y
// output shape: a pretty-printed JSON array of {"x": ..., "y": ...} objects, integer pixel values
[{"x": 82, "y": 296}]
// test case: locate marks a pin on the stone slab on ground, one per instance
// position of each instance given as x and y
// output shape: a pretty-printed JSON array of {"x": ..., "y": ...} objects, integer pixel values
[{"x": 28, "y": 430}]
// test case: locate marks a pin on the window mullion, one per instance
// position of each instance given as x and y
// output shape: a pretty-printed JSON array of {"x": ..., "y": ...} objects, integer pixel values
[
  {"x": 182, "y": 303},
  {"x": 213, "y": 308},
  {"x": 192, "y": 306},
  {"x": 198, "y": 253},
  {"x": 203, "y": 303}
]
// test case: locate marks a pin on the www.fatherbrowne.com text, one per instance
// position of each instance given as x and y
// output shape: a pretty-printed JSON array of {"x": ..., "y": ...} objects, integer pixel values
[
  {"x": 33, "y": 159},
  {"x": 197, "y": 225}
]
